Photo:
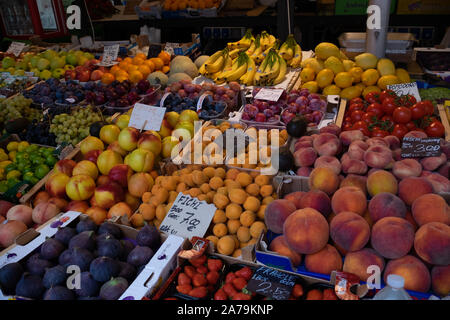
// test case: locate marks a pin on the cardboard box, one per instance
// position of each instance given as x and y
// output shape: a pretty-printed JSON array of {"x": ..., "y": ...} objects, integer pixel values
[{"x": 423, "y": 7}]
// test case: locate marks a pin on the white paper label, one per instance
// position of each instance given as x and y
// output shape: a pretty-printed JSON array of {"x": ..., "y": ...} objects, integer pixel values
[
  {"x": 269, "y": 94},
  {"x": 110, "y": 54},
  {"x": 146, "y": 117},
  {"x": 188, "y": 217},
  {"x": 201, "y": 99},
  {"x": 70, "y": 100},
  {"x": 403, "y": 89},
  {"x": 16, "y": 48}
]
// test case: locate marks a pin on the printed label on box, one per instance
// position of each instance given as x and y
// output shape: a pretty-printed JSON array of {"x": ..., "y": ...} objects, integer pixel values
[{"x": 145, "y": 117}]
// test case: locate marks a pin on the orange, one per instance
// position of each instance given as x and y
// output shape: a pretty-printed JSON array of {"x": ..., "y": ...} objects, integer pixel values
[
  {"x": 144, "y": 70},
  {"x": 150, "y": 65},
  {"x": 138, "y": 61},
  {"x": 131, "y": 68},
  {"x": 128, "y": 60},
  {"x": 114, "y": 69},
  {"x": 158, "y": 63},
  {"x": 165, "y": 69},
  {"x": 141, "y": 55},
  {"x": 136, "y": 76},
  {"x": 123, "y": 65},
  {"x": 165, "y": 57},
  {"x": 122, "y": 78},
  {"x": 107, "y": 78}
]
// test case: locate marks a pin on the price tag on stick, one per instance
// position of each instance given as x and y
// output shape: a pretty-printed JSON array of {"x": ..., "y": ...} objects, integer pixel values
[
  {"x": 269, "y": 94},
  {"x": 188, "y": 217},
  {"x": 110, "y": 54},
  {"x": 272, "y": 283},
  {"x": 146, "y": 117},
  {"x": 419, "y": 148},
  {"x": 16, "y": 48},
  {"x": 403, "y": 89}
]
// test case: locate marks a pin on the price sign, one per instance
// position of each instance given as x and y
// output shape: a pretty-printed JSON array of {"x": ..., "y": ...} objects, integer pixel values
[
  {"x": 188, "y": 217},
  {"x": 419, "y": 148},
  {"x": 110, "y": 54},
  {"x": 16, "y": 48},
  {"x": 271, "y": 283},
  {"x": 403, "y": 89},
  {"x": 145, "y": 117},
  {"x": 269, "y": 94}
]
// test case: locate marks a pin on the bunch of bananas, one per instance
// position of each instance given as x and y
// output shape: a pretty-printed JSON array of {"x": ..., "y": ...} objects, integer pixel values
[{"x": 264, "y": 64}]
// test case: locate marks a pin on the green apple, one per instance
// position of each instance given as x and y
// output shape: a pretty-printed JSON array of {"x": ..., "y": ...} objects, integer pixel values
[
  {"x": 89, "y": 55},
  {"x": 45, "y": 75},
  {"x": 69, "y": 67},
  {"x": 8, "y": 62},
  {"x": 72, "y": 59},
  {"x": 49, "y": 54},
  {"x": 57, "y": 63},
  {"x": 58, "y": 73},
  {"x": 21, "y": 65},
  {"x": 43, "y": 64},
  {"x": 36, "y": 72},
  {"x": 168, "y": 144},
  {"x": 11, "y": 70},
  {"x": 82, "y": 60},
  {"x": 34, "y": 61}
]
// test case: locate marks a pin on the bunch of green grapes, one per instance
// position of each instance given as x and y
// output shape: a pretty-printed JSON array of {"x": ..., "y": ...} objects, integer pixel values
[
  {"x": 74, "y": 127},
  {"x": 18, "y": 107}
]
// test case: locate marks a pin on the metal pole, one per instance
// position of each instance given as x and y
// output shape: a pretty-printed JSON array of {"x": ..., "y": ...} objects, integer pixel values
[
  {"x": 285, "y": 18},
  {"x": 377, "y": 26}
]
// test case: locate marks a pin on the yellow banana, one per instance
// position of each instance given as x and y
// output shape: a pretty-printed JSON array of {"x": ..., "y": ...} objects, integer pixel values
[
  {"x": 297, "y": 59},
  {"x": 282, "y": 73},
  {"x": 234, "y": 53},
  {"x": 251, "y": 49},
  {"x": 250, "y": 74},
  {"x": 216, "y": 65},
  {"x": 272, "y": 39},
  {"x": 214, "y": 57},
  {"x": 228, "y": 62},
  {"x": 239, "y": 68},
  {"x": 202, "y": 70},
  {"x": 244, "y": 43}
]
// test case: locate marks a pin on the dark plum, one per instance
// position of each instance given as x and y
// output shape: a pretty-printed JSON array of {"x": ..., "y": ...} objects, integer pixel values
[
  {"x": 104, "y": 268},
  {"x": 38, "y": 266},
  {"x": 113, "y": 289},
  {"x": 140, "y": 256},
  {"x": 30, "y": 286},
  {"x": 149, "y": 236},
  {"x": 54, "y": 276},
  {"x": 10, "y": 274},
  {"x": 109, "y": 248},
  {"x": 127, "y": 271},
  {"x": 86, "y": 225},
  {"x": 108, "y": 227},
  {"x": 65, "y": 234},
  {"x": 88, "y": 285},
  {"x": 85, "y": 240},
  {"x": 51, "y": 249},
  {"x": 59, "y": 293}
]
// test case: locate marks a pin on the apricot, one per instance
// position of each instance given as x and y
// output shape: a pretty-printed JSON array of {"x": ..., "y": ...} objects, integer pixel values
[
  {"x": 223, "y": 190},
  {"x": 349, "y": 199},
  {"x": 220, "y": 201},
  {"x": 233, "y": 211},
  {"x": 325, "y": 261},
  {"x": 214, "y": 240},
  {"x": 257, "y": 228},
  {"x": 252, "y": 204},
  {"x": 392, "y": 237},
  {"x": 119, "y": 209},
  {"x": 252, "y": 189},
  {"x": 414, "y": 271},
  {"x": 262, "y": 180},
  {"x": 180, "y": 187},
  {"x": 160, "y": 212},
  {"x": 220, "y": 230},
  {"x": 226, "y": 245},
  {"x": 137, "y": 220},
  {"x": 262, "y": 212},
  {"x": 232, "y": 174},
  {"x": 350, "y": 231},
  {"x": 148, "y": 211},
  {"x": 432, "y": 243},
  {"x": 244, "y": 179},
  {"x": 220, "y": 172},
  {"x": 215, "y": 183},
  {"x": 357, "y": 262},
  {"x": 266, "y": 190},
  {"x": 237, "y": 196},
  {"x": 219, "y": 216},
  {"x": 411, "y": 188},
  {"x": 430, "y": 208},
  {"x": 280, "y": 246},
  {"x": 267, "y": 200}
]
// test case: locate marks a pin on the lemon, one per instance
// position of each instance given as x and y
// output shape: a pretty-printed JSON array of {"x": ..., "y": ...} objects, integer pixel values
[
  {"x": 356, "y": 73},
  {"x": 366, "y": 61},
  {"x": 343, "y": 80},
  {"x": 325, "y": 50},
  {"x": 325, "y": 78},
  {"x": 3, "y": 156},
  {"x": 331, "y": 89},
  {"x": 13, "y": 174},
  {"x": 384, "y": 81},
  {"x": 12, "y": 155},
  {"x": 370, "y": 77},
  {"x": 348, "y": 64},
  {"x": 22, "y": 145},
  {"x": 402, "y": 75},
  {"x": 307, "y": 74},
  {"x": 370, "y": 89},
  {"x": 342, "y": 56},
  {"x": 312, "y": 86},
  {"x": 361, "y": 86},
  {"x": 313, "y": 63},
  {"x": 3, "y": 164},
  {"x": 334, "y": 64},
  {"x": 351, "y": 92},
  {"x": 12, "y": 146},
  {"x": 385, "y": 67}
]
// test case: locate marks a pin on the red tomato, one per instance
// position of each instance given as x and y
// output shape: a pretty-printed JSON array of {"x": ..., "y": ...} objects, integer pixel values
[
  {"x": 388, "y": 105},
  {"x": 372, "y": 97},
  {"x": 362, "y": 126},
  {"x": 355, "y": 106},
  {"x": 427, "y": 106},
  {"x": 357, "y": 115},
  {"x": 387, "y": 94},
  {"x": 435, "y": 129},
  {"x": 411, "y": 126},
  {"x": 356, "y": 100},
  {"x": 375, "y": 108},
  {"x": 347, "y": 126},
  {"x": 408, "y": 100},
  {"x": 387, "y": 118},
  {"x": 402, "y": 115},
  {"x": 369, "y": 117},
  {"x": 380, "y": 133},
  {"x": 417, "y": 111},
  {"x": 399, "y": 130}
]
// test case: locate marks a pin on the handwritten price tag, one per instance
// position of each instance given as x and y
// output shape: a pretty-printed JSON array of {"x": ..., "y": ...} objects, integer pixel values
[
  {"x": 188, "y": 217},
  {"x": 403, "y": 89},
  {"x": 146, "y": 117},
  {"x": 269, "y": 94},
  {"x": 16, "y": 48},
  {"x": 110, "y": 54},
  {"x": 418, "y": 148},
  {"x": 272, "y": 283}
]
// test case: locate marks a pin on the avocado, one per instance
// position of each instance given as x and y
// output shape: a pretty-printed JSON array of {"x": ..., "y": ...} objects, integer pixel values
[{"x": 297, "y": 127}]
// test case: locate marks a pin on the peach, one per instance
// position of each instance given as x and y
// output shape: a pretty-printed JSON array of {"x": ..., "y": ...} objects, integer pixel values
[
  {"x": 440, "y": 183},
  {"x": 325, "y": 261},
  {"x": 407, "y": 168},
  {"x": 353, "y": 166},
  {"x": 97, "y": 214},
  {"x": 80, "y": 187},
  {"x": 119, "y": 209},
  {"x": 56, "y": 185},
  {"x": 92, "y": 155},
  {"x": 109, "y": 133},
  {"x": 64, "y": 166},
  {"x": 44, "y": 212},
  {"x": 128, "y": 138},
  {"x": 440, "y": 280},
  {"x": 79, "y": 206},
  {"x": 392, "y": 237},
  {"x": 108, "y": 195},
  {"x": 356, "y": 150},
  {"x": 302, "y": 144},
  {"x": 107, "y": 160},
  {"x": 329, "y": 162},
  {"x": 87, "y": 168},
  {"x": 280, "y": 246},
  {"x": 378, "y": 156},
  {"x": 414, "y": 271},
  {"x": 324, "y": 179},
  {"x": 304, "y": 171},
  {"x": 305, "y": 157},
  {"x": 141, "y": 160},
  {"x": 327, "y": 144},
  {"x": 103, "y": 180},
  {"x": 357, "y": 262},
  {"x": 276, "y": 214},
  {"x": 377, "y": 141},
  {"x": 393, "y": 142},
  {"x": 430, "y": 208},
  {"x": 397, "y": 154},
  {"x": 42, "y": 196},
  {"x": 317, "y": 200},
  {"x": 445, "y": 147},
  {"x": 353, "y": 180},
  {"x": 5, "y": 206},
  {"x": 381, "y": 181},
  {"x": 347, "y": 137},
  {"x": 20, "y": 213},
  {"x": 350, "y": 231},
  {"x": 432, "y": 243},
  {"x": 139, "y": 184},
  {"x": 386, "y": 204},
  {"x": 306, "y": 231},
  {"x": 295, "y": 197},
  {"x": 349, "y": 199},
  {"x": 150, "y": 141},
  {"x": 416, "y": 134},
  {"x": 411, "y": 220},
  {"x": 59, "y": 202},
  {"x": 411, "y": 188},
  {"x": 117, "y": 148},
  {"x": 432, "y": 163},
  {"x": 120, "y": 173},
  {"x": 331, "y": 128},
  {"x": 91, "y": 143},
  {"x": 444, "y": 170},
  {"x": 9, "y": 232}
]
